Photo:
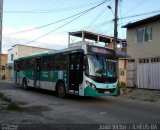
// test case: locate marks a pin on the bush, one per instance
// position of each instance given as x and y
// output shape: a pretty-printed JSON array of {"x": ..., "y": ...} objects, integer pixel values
[
  {"x": 122, "y": 87},
  {"x": 1, "y": 95},
  {"x": 3, "y": 77},
  {"x": 13, "y": 106},
  {"x": 4, "y": 98}
]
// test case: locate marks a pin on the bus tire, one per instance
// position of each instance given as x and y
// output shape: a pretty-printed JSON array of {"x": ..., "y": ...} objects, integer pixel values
[
  {"x": 61, "y": 90},
  {"x": 24, "y": 84}
]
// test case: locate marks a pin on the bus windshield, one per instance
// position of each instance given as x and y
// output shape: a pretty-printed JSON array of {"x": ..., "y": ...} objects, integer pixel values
[{"x": 101, "y": 66}]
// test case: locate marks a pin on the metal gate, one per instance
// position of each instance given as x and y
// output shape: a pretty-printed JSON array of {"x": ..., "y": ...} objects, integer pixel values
[
  {"x": 130, "y": 72},
  {"x": 149, "y": 73}
]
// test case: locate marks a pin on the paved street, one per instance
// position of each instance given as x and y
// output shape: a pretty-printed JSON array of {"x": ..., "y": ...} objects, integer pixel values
[{"x": 45, "y": 107}]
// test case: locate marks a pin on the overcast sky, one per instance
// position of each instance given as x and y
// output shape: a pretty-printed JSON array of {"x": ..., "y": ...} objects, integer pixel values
[{"x": 21, "y": 15}]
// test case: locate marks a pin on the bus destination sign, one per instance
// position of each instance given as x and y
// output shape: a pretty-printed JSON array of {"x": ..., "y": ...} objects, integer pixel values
[{"x": 100, "y": 50}]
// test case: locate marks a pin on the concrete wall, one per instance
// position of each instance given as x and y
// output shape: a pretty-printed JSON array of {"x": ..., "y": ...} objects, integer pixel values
[
  {"x": 28, "y": 50},
  {"x": 8, "y": 73},
  {"x": 3, "y": 63},
  {"x": 22, "y": 50},
  {"x": 13, "y": 51},
  {"x": 122, "y": 70},
  {"x": 4, "y": 59},
  {"x": 146, "y": 49}
]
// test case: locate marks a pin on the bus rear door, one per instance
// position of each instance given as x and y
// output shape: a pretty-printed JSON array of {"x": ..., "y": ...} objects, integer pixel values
[
  {"x": 16, "y": 70},
  {"x": 37, "y": 72}
]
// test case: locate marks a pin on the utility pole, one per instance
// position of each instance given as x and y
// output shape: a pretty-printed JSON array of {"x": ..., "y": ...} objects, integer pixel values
[
  {"x": 115, "y": 25},
  {"x": 1, "y": 16},
  {"x": 116, "y": 34}
]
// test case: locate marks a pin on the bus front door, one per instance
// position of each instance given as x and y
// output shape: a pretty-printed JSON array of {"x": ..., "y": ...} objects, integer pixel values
[
  {"x": 37, "y": 72},
  {"x": 75, "y": 71}
]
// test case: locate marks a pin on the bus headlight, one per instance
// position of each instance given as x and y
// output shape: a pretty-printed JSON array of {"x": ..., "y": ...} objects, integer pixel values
[
  {"x": 90, "y": 84},
  {"x": 93, "y": 86}
]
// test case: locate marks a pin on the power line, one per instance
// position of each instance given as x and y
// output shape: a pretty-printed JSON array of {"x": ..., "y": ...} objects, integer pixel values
[
  {"x": 68, "y": 22},
  {"x": 141, "y": 14},
  {"x": 31, "y": 17},
  {"x": 58, "y": 20},
  {"x": 126, "y": 17},
  {"x": 85, "y": 27},
  {"x": 136, "y": 6},
  {"x": 53, "y": 10},
  {"x": 96, "y": 17}
]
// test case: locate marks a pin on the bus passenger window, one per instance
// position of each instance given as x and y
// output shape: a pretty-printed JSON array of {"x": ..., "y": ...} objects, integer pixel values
[{"x": 60, "y": 62}]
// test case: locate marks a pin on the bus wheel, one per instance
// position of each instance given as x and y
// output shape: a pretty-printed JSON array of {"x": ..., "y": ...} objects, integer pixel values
[
  {"x": 61, "y": 91},
  {"x": 24, "y": 84}
]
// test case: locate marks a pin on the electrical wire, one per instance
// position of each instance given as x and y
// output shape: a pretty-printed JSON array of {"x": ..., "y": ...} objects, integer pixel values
[
  {"x": 67, "y": 22},
  {"x": 96, "y": 18},
  {"x": 56, "y": 21},
  {"x": 136, "y": 6},
  {"x": 126, "y": 17},
  {"x": 54, "y": 10},
  {"x": 42, "y": 17},
  {"x": 122, "y": 18}
]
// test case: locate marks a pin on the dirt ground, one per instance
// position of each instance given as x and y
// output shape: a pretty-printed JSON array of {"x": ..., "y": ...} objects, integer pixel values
[{"x": 141, "y": 95}]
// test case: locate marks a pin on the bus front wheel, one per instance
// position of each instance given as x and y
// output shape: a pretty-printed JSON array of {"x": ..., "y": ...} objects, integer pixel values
[
  {"x": 61, "y": 90},
  {"x": 24, "y": 84}
]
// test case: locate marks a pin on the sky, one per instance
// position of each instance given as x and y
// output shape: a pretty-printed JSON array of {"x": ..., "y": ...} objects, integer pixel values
[{"x": 21, "y": 15}]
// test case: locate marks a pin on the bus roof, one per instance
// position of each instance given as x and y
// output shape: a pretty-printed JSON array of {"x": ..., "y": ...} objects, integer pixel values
[
  {"x": 51, "y": 52},
  {"x": 74, "y": 48}
]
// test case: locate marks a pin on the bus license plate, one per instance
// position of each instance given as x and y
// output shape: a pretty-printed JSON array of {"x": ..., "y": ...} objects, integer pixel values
[{"x": 106, "y": 92}]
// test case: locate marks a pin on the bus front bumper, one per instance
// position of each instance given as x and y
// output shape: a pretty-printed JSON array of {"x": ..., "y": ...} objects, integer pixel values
[{"x": 89, "y": 91}]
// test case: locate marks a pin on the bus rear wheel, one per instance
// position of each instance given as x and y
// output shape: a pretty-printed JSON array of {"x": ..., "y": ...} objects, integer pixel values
[
  {"x": 24, "y": 84},
  {"x": 61, "y": 90}
]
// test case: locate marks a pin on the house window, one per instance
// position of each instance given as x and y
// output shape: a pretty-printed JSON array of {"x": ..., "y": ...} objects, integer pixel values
[
  {"x": 12, "y": 57},
  {"x": 144, "y": 34}
]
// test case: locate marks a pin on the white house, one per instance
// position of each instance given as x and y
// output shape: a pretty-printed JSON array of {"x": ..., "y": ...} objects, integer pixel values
[
  {"x": 19, "y": 50},
  {"x": 143, "y": 51}
]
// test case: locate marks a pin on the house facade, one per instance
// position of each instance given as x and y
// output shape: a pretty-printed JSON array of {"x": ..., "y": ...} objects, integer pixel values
[
  {"x": 18, "y": 51},
  {"x": 3, "y": 58},
  {"x": 143, "y": 52}
]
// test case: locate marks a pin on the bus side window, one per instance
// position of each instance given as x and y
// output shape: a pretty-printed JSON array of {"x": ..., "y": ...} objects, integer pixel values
[
  {"x": 60, "y": 62},
  {"x": 50, "y": 62},
  {"x": 47, "y": 62},
  {"x": 85, "y": 62},
  {"x": 23, "y": 64},
  {"x": 38, "y": 64},
  {"x": 17, "y": 65},
  {"x": 30, "y": 64},
  {"x": 37, "y": 67}
]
